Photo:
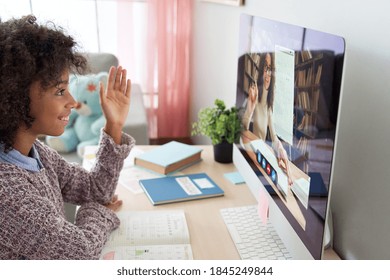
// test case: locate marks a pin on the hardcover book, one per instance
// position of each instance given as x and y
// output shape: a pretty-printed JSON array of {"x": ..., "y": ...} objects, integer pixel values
[
  {"x": 180, "y": 188},
  {"x": 169, "y": 157}
]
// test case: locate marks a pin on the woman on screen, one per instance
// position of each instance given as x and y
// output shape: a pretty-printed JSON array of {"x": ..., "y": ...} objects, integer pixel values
[{"x": 260, "y": 109}]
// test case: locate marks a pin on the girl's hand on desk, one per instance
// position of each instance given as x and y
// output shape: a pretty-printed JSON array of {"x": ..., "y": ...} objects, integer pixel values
[{"x": 115, "y": 204}]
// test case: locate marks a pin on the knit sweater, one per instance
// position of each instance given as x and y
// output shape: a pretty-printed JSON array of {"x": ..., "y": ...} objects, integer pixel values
[{"x": 32, "y": 218}]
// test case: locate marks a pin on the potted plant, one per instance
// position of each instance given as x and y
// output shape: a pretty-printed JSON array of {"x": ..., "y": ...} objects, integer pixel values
[{"x": 223, "y": 126}]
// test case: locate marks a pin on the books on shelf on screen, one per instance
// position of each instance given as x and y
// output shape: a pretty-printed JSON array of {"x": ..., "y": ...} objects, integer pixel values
[
  {"x": 180, "y": 188},
  {"x": 169, "y": 157},
  {"x": 149, "y": 235}
]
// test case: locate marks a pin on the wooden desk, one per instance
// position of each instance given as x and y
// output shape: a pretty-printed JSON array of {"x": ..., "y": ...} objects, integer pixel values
[{"x": 210, "y": 239}]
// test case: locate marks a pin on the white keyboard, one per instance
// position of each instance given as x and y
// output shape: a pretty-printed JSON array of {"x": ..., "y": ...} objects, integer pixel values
[{"x": 252, "y": 238}]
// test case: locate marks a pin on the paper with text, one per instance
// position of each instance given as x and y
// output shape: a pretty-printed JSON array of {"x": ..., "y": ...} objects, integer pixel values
[
  {"x": 204, "y": 183},
  {"x": 129, "y": 178},
  {"x": 188, "y": 186},
  {"x": 149, "y": 252},
  {"x": 89, "y": 156},
  {"x": 149, "y": 235}
]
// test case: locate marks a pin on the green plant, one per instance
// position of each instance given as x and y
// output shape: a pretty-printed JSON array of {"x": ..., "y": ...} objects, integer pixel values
[{"x": 218, "y": 123}]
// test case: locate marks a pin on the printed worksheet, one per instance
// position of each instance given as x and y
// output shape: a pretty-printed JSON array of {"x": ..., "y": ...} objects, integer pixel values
[
  {"x": 149, "y": 235},
  {"x": 130, "y": 176}
]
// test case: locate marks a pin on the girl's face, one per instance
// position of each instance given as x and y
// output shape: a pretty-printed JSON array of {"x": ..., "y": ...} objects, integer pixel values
[
  {"x": 267, "y": 71},
  {"x": 51, "y": 107}
]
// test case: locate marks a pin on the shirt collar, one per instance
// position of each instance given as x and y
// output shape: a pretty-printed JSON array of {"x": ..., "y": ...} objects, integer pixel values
[{"x": 30, "y": 163}]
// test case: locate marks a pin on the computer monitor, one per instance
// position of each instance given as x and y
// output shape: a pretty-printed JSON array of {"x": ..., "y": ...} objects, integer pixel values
[{"x": 288, "y": 89}]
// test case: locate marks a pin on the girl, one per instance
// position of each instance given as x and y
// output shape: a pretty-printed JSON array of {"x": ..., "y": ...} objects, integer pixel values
[{"x": 35, "y": 181}]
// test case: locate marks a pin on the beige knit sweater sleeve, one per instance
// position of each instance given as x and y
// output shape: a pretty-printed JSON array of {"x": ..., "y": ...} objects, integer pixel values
[{"x": 32, "y": 222}]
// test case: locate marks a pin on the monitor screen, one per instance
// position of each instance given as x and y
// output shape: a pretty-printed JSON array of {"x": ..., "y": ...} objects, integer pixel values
[{"x": 288, "y": 90}]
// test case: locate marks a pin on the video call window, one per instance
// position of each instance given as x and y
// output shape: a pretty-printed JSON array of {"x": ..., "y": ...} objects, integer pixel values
[{"x": 288, "y": 90}]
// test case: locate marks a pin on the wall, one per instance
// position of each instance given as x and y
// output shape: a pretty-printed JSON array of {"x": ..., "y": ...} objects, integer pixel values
[{"x": 361, "y": 181}]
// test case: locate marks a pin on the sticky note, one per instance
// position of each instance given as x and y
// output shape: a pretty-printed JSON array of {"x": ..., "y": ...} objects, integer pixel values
[
  {"x": 234, "y": 177},
  {"x": 263, "y": 206}
]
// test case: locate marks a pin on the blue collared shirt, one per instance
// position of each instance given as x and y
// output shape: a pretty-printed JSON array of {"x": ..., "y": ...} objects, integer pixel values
[{"x": 31, "y": 163}]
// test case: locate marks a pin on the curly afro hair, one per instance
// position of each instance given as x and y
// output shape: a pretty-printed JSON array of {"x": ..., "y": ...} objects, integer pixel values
[{"x": 30, "y": 52}]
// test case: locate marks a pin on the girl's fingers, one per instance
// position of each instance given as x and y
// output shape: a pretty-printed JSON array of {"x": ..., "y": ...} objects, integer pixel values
[
  {"x": 118, "y": 75},
  {"x": 111, "y": 78},
  {"x": 123, "y": 81},
  {"x": 128, "y": 88}
]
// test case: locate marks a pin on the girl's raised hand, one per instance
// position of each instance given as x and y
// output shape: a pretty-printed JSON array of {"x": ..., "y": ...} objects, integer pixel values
[{"x": 115, "y": 102}]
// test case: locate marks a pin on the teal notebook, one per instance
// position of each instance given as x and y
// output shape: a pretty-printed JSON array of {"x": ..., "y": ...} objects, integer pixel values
[
  {"x": 180, "y": 188},
  {"x": 169, "y": 157}
]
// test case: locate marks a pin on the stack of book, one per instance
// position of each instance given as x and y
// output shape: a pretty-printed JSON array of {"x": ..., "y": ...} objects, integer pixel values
[
  {"x": 180, "y": 188},
  {"x": 165, "y": 160}
]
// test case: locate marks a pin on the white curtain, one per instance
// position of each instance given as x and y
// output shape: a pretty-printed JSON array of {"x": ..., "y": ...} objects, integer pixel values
[{"x": 115, "y": 26}]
